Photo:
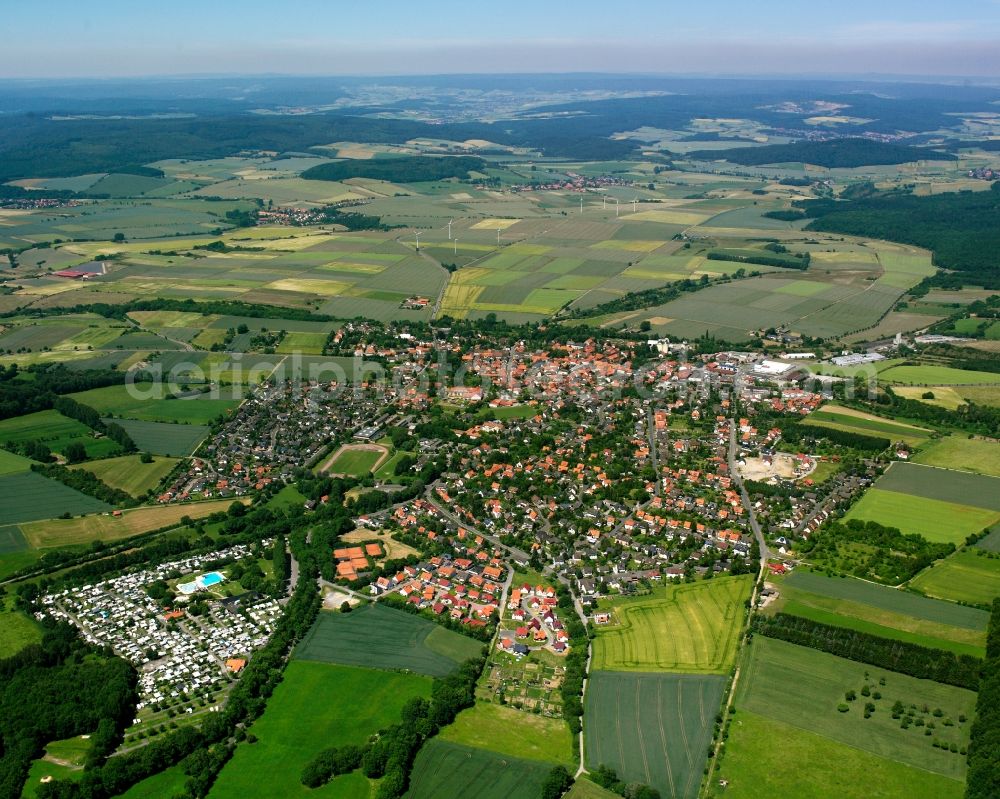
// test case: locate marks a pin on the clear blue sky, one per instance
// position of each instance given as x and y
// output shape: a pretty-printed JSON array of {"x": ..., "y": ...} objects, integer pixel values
[{"x": 144, "y": 37}]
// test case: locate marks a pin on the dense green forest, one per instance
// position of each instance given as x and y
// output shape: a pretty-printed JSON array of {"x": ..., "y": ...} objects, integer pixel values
[
  {"x": 983, "y": 779},
  {"x": 58, "y": 689},
  {"x": 961, "y": 228},
  {"x": 409, "y": 169},
  {"x": 838, "y": 153}
]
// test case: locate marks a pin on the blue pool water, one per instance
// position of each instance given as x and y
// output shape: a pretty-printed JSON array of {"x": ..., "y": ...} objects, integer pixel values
[{"x": 212, "y": 578}]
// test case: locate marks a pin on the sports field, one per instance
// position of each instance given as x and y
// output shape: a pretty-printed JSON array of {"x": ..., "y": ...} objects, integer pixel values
[
  {"x": 129, "y": 473},
  {"x": 507, "y": 731},
  {"x": 969, "y": 575},
  {"x": 355, "y": 460},
  {"x": 316, "y": 706},
  {"x": 446, "y": 770},
  {"x": 803, "y": 687},
  {"x": 104, "y": 527},
  {"x": 28, "y": 496},
  {"x": 691, "y": 628},
  {"x": 652, "y": 728},
  {"x": 959, "y": 452},
  {"x": 766, "y": 757},
  {"x": 380, "y": 637}
]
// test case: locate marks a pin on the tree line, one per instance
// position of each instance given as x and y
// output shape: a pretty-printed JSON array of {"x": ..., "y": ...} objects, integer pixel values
[
  {"x": 983, "y": 778},
  {"x": 918, "y": 661}
]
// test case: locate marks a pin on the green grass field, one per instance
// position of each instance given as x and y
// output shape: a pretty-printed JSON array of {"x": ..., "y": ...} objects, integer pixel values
[
  {"x": 898, "y": 632},
  {"x": 380, "y": 637},
  {"x": 690, "y": 627},
  {"x": 883, "y": 598},
  {"x": 512, "y": 732},
  {"x": 866, "y": 424},
  {"x": 937, "y": 376},
  {"x": 967, "y": 454},
  {"x": 585, "y": 789},
  {"x": 56, "y": 432},
  {"x": 446, "y": 770},
  {"x": 11, "y": 463},
  {"x": 164, "y": 438},
  {"x": 129, "y": 474},
  {"x": 354, "y": 462},
  {"x": 969, "y": 575},
  {"x": 142, "y": 403},
  {"x": 765, "y": 757},
  {"x": 934, "y": 520},
  {"x": 652, "y": 728},
  {"x": 803, "y": 687},
  {"x": 17, "y": 631},
  {"x": 29, "y": 496},
  {"x": 165, "y": 784},
  {"x": 316, "y": 705}
]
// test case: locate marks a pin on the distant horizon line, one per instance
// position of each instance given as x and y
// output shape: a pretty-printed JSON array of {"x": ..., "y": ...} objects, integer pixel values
[{"x": 863, "y": 77}]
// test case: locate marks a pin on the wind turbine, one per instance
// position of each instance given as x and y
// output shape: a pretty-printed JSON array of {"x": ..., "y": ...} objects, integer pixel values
[
  {"x": 605, "y": 208},
  {"x": 418, "y": 241},
  {"x": 449, "y": 228},
  {"x": 498, "y": 236},
  {"x": 456, "y": 245},
  {"x": 634, "y": 202},
  {"x": 617, "y": 203},
  {"x": 581, "y": 203}
]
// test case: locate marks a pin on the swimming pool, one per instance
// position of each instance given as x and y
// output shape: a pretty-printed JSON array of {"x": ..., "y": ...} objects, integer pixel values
[{"x": 212, "y": 578}]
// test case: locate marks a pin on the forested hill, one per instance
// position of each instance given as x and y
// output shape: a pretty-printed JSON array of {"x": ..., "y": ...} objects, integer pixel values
[
  {"x": 841, "y": 153},
  {"x": 962, "y": 229},
  {"x": 406, "y": 169}
]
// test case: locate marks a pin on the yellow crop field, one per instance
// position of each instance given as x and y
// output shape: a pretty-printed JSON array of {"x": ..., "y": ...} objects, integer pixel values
[
  {"x": 327, "y": 288},
  {"x": 494, "y": 224}
]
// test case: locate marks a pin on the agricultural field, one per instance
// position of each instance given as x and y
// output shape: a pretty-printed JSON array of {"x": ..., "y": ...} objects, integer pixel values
[
  {"x": 29, "y": 496},
  {"x": 849, "y": 420},
  {"x": 355, "y": 704},
  {"x": 941, "y": 396},
  {"x": 12, "y": 463},
  {"x": 56, "y": 432},
  {"x": 652, "y": 728},
  {"x": 927, "y": 375},
  {"x": 355, "y": 460},
  {"x": 129, "y": 473},
  {"x": 512, "y": 732},
  {"x": 380, "y": 637},
  {"x": 939, "y": 504},
  {"x": 691, "y": 628},
  {"x": 970, "y": 575},
  {"x": 766, "y": 757},
  {"x": 105, "y": 527},
  {"x": 146, "y": 402},
  {"x": 804, "y": 687},
  {"x": 967, "y": 454},
  {"x": 446, "y": 770},
  {"x": 164, "y": 438}
]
